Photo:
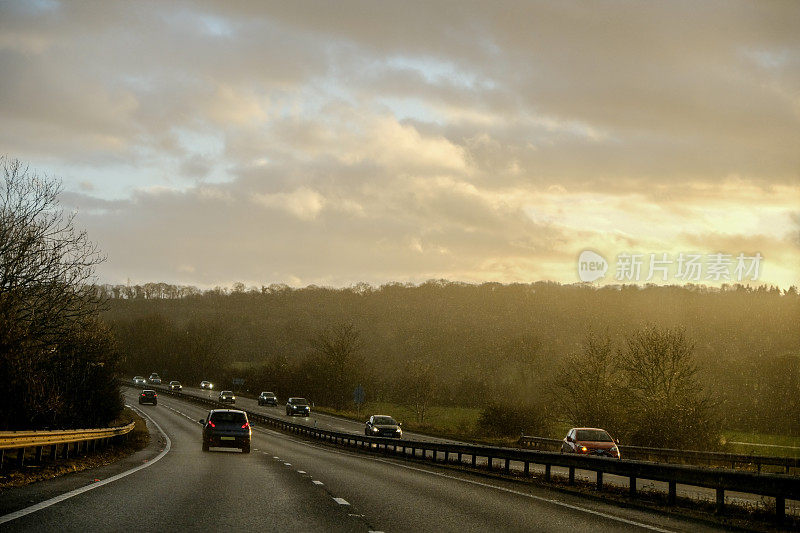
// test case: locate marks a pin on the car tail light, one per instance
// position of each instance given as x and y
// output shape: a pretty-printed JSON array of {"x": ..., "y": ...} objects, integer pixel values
[
  {"x": 210, "y": 423},
  {"x": 142, "y": 394},
  {"x": 246, "y": 425}
]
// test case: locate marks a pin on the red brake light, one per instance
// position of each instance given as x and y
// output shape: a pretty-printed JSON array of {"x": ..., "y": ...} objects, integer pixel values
[
  {"x": 246, "y": 425},
  {"x": 210, "y": 423},
  {"x": 142, "y": 394}
]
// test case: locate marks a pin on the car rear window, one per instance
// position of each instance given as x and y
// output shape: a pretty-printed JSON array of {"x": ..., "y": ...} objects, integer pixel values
[
  {"x": 385, "y": 420},
  {"x": 299, "y": 401},
  {"x": 228, "y": 416}
]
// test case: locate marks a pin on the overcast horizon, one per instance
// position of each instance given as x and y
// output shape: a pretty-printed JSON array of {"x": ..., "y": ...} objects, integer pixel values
[{"x": 207, "y": 143}]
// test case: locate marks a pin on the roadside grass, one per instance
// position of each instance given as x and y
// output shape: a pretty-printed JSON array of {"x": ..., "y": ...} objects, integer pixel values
[
  {"x": 442, "y": 421},
  {"x": 769, "y": 444}
]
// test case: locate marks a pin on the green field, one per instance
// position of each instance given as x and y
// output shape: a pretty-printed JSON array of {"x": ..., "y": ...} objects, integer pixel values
[
  {"x": 762, "y": 444},
  {"x": 451, "y": 421}
]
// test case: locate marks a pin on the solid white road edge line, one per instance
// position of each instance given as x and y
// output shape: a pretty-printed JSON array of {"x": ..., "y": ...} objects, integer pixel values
[{"x": 67, "y": 495}]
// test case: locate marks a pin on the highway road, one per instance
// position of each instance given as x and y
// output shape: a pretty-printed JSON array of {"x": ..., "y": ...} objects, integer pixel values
[
  {"x": 341, "y": 424},
  {"x": 316, "y": 419},
  {"x": 288, "y": 484}
]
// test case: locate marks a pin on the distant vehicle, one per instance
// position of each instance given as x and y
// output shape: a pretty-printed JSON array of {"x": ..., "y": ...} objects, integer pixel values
[
  {"x": 148, "y": 396},
  {"x": 206, "y": 385},
  {"x": 267, "y": 398},
  {"x": 383, "y": 426},
  {"x": 175, "y": 385},
  {"x": 226, "y": 428},
  {"x": 154, "y": 379},
  {"x": 297, "y": 406},
  {"x": 139, "y": 380},
  {"x": 590, "y": 441},
  {"x": 226, "y": 396}
]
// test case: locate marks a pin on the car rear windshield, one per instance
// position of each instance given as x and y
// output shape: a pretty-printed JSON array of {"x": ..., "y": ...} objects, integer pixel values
[
  {"x": 299, "y": 401},
  {"x": 384, "y": 420},
  {"x": 229, "y": 416},
  {"x": 593, "y": 435},
  {"x": 270, "y": 394}
]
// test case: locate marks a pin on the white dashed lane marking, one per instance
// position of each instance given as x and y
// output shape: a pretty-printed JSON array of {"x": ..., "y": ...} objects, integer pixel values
[
  {"x": 341, "y": 501},
  {"x": 315, "y": 482},
  {"x": 301, "y": 471}
]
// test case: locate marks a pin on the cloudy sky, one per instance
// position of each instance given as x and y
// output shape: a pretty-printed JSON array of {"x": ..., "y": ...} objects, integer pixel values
[{"x": 331, "y": 143}]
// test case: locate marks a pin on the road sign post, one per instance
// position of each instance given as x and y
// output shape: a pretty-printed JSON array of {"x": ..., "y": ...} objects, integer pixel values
[{"x": 358, "y": 398}]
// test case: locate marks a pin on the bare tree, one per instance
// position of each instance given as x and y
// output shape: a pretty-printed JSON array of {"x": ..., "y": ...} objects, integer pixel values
[
  {"x": 338, "y": 348},
  {"x": 46, "y": 264},
  {"x": 47, "y": 301},
  {"x": 666, "y": 404},
  {"x": 587, "y": 385},
  {"x": 419, "y": 388}
]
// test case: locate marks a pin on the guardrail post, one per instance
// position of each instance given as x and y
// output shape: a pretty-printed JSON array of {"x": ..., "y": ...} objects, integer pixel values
[
  {"x": 672, "y": 493},
  {"x": 446, "y": 457},
  {"x": 632, "y": 487},
  {"x": 720, "y": 501},
  {"x": 2, "y": 456},
  {"x": 527, "y": 468},
  {"x": 39, "y": 454},
  {"x": 65, "y": 450},
  {"x": 459, "y": 457},
  {"x": 489, "y": 460},
  {"x": 21, "y": 457},
  {"x": 780, "y": 509},
  {"x": 572, "y": 475},
  {"x": 599, "y": 480},
  {"x": 547, "y": 472},
  {"x": 53, "y": 452},
  {"x": 474, "y": 460},
  {"x": 507, "y": 466}
]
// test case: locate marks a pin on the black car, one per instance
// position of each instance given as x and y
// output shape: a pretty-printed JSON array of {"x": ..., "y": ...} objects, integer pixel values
[
  {"x": 226, "y": 428},
  {"x": 297, "y": 406},
  {"x": 383, "y": 426},
  {"x": 226, "y": 396},
  {"x": 148, "y": 396},
  {"x": 267, "y": 398}
]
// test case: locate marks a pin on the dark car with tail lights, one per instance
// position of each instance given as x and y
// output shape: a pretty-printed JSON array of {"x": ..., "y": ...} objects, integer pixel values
[
  {"x": 148, "y": 396},
  {"x": 226, "y": 428}
]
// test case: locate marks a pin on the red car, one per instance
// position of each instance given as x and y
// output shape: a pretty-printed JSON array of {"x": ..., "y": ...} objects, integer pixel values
[{"x": 590, "y": 441}]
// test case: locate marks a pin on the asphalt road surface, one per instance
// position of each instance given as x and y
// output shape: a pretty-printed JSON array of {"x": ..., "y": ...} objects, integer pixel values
[
  {"x": 334, "y": 423},
  {"x": 288, "y": 484}
]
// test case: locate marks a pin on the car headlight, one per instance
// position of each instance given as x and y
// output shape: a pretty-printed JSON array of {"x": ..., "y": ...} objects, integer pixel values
[
  {"x": 375, "y": 430},
  {"x": 584, "y": 449}
]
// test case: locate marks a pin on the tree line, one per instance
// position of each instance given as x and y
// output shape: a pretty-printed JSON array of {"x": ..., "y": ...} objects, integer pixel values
[{"x": 528, "y": 355}]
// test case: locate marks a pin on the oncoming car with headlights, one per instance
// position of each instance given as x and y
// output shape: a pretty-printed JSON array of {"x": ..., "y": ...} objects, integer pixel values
[
  {"x": 297, "y": 406},
  {"x": 590, "y": 441},
  {"x": 383, "y": 426}
]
